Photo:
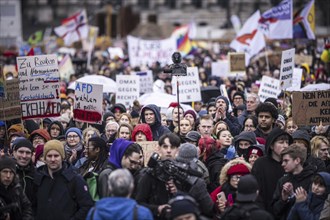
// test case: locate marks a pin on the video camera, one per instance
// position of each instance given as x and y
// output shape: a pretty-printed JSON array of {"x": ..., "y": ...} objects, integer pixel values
[
  {"x": 177, "y": 68},
  {"x": 165, "y": 170}
]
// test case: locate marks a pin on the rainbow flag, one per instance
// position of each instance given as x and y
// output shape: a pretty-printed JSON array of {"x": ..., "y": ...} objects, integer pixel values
[
  {"x": 304, "y": 22},
  {"x": 184, "y": 44}
]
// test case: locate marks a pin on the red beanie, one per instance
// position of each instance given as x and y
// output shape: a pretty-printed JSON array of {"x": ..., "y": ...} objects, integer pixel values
[
  {"x": 238, "y": 169},
  {"x": 256, "y": 151}
]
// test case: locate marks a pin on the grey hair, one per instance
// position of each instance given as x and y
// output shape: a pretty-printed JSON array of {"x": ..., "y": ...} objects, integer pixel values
[
  {"x": 112, "y": 123},
  {"x": 121, "y": 183},
  {"x": 254, "y": 96}
]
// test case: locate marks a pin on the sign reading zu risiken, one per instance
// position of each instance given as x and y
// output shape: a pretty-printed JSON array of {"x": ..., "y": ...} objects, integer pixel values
[{"x": 39, "y": 86}]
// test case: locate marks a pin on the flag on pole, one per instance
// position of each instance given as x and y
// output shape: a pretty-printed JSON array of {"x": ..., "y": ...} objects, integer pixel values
[
  {"x": 276, "y": 23},
  {"x": 249, "y": 39},
  {"x": 35, "y": 38},
  {"x": 184, "y": 44},
  {"x": 74, "y": 28},
  {"x": 304, "y": 22}
]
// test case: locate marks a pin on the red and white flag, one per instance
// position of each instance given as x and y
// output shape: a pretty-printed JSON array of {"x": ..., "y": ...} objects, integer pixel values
[
  {"x": 74, "y": 28},
  {"x": 276, "y": 23},
  {"x": 249, "y": 39}
]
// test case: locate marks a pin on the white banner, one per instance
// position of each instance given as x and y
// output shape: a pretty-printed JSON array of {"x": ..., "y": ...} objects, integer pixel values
[
  {"x": 39, "y": 86},
  {"x": 287, "y": 66},
  {"x": 269, "y": 87},
  {"x": 220, "y": 68},
  {"x": 189, "y": 86},
  {"x": 88, "y": 103},
  {"x": 128, "y": 89},
  {"x": 147, "y": 52},
  {"x": 146, "y": 81}
]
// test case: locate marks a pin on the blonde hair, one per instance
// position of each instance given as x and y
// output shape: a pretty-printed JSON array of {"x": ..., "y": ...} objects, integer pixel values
[
  {"x": 84, "y": 133},
  {"x": 316, "y": 142}
]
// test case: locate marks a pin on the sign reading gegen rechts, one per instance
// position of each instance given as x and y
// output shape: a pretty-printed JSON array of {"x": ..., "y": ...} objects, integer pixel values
[
  {"x": 128, "y": 89},
  {"x": 287, "y": 66},
  {"x": 39, "y": 86}
]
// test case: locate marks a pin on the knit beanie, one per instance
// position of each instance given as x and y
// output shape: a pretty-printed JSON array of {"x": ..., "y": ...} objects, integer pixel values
[
  {"x": 187, "y": 152},
  {"x": 238, "y": 169},
  {"x": 107, "y": 115},
  {"x": 39, "y": 151},
  {"x": 238, "y": 93},
  {"x": 16, "y": 128},
  {"x": 301, "y": 135},
  {"x": 54, "y": 145},
  {"x": 192, "y": 112},
  {"x": 75, "y": 130},
  {"x": 223, "y": 98},
  {"x": 41, "y": 132},
  {"x": 7, "y": 162},
  {"x": 193, "y": 136},
  {"x": 22, "y": 142},
  {"x": 181, "y": 205}
]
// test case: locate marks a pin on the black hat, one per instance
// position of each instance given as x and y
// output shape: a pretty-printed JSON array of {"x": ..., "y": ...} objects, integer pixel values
[
  {"x": 7, "y": 162},
  {"x": 22, "y": 142},
  {"x": 193, "y": 136},
  {"x": 247, "y": 189},
  {"x": 183, "y": 204},
  {"x": 100, "y": 143},
  {"x": 301, "y": 135}
]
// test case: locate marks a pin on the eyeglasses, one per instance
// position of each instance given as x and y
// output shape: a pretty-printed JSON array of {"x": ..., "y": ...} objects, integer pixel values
[
  {"x": 236, "y": 177},
  {"x": 72, "y": 136}
]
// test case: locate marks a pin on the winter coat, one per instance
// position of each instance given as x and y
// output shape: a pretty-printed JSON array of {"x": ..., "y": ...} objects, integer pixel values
[
  {"x": 26, "y": 175},
  {"x": 233, "y": 124},
  {"x": 118, "y": 208},
  {"x": 157, "y": 128},
  {"x": 268, "y": 171},
  {"x": 65, "y": 196},
  {"x": 145, "y": 129},
  {"x": 214, "y": 164},
  {"x": 246, "y": 211},
  {"x": 303, "y": 179},
  {"x": 22, "y": 210}
]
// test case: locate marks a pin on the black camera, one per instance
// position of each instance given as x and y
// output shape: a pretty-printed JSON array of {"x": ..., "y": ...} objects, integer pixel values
[
  {"x": 177, "y": 68},
  {"x": 165, "y": 170}
]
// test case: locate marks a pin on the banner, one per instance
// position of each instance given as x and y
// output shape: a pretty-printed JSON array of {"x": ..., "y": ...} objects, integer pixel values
[
  {"x": 189, "y": 86},
  {"x": 269, "y": 87},
  {"x": 149, "y": 147},
  {"x": 304, "y": 22},
  {"x": 147, "y": 52},
  {"x": 39, "y": 86},
  {"x": 220, "y": 68},
  {"x": 236, "y": 64},
  {"x": 311, "y": 108},
  {"x": 128, "y": 89},
  {"x": 10, "y": 105},
  {"x": 88, "y": 103},
  {"x": 146, "y": 81},
  {"x": 287, "y": 66}
]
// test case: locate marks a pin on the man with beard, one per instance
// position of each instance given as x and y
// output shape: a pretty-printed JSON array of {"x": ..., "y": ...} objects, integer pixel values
[{"x": 267, "y": 115}]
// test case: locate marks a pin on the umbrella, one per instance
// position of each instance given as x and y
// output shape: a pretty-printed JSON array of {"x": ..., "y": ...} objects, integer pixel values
[
  {"x": 316, "y": 87},
  {"x": 109, "y": 85},
  {"x": 209, "y": 92},
  {"x": 162, "y": 100}
]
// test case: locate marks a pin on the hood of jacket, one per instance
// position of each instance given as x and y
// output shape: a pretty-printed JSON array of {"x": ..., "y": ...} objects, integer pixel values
[
  {"x": 273, "y": 135},
  {"x": 155, "y": 110},
  {"x": 117, "y": 151},
  {"x": 114, "y": 208},
  {"x": 145, "y": 129},
  {"x": 326, "y": 177},
  {"x": 223, "y": 175},
  {"x": 246, "y": 136},
  {"x": 57, "y": 123}
]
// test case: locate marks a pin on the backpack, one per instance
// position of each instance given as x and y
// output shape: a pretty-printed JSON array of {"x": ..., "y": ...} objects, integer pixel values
[{"x": 91, "y": 179}]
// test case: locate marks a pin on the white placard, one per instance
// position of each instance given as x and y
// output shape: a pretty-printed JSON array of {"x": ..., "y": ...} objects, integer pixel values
[
  {"x": 269, "y": 87},
  {"x": 116, "y": 52},
  {"x": 66, "y": 68},
  {"x": 220, "y": 68},
  {"x": 147, "y": 52},
  {"x": 88, "y": 103},
  {"x": 146, "y": 81},
  {"x": 39, "y": 86},
  {"x": 128, "y": 89},
  {"x": 287, "y": 66},
  {"x": 189, "y": 86},
  {"x": 296, "y": 80}
]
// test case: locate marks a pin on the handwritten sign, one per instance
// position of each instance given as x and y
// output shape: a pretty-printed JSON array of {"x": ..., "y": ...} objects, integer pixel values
[
  {"x": 269, "y": 87},
  {"x": 146, "y": 81},
  {"x": 236, "y": 64},
  {"x": 311, "y": 108},
  {"x": 10, "y": 105},
  {"x": 220, "y": 68},
  {"x": 66, "y": 68},
  {"x": 147, "y": 52},
  {"x": 128, "y": 89},
  {"x": 88, "y": 103},
  {"x": 148, "y": 147},
  {"x": 39, "y": 86},
  {"x": 287, "y": 66},
  {"x": 189, "y": 86}
]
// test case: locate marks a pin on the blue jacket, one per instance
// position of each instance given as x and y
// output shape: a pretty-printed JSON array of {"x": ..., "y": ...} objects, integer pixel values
[
  {"x": 118, "y": 208},
  {"x": 312, "y": 207}
]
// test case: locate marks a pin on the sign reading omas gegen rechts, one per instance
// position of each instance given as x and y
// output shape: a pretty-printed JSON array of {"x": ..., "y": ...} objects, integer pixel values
[{"x": 39, "y": 86}]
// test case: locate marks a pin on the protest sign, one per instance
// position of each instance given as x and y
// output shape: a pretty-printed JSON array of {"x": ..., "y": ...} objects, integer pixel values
[
  {"x": 189, "y": 86},
  {"x": 236, "y": 64},
  {"x": 147, "y": 52},
  {"x": 146, "y": 81},
  {"x": 148, "y": 147},
  {"x": 10, "y": 104},
  {"x": 128, "y": 89},
  {"x": 220, "y": 68},
  {"x": 116, "y": 52},
  {"x": 296, "y": 80},
  {"x": 311, "y": 108},
  {"x": 39, "y": 86},
  {"x": 287, "y": 66},
  {"x": 299, "y": 59},
  {"x": 66, "y": 68},
  {"x": 88, "y": 103},
  {"x": 269, "y": 87}
]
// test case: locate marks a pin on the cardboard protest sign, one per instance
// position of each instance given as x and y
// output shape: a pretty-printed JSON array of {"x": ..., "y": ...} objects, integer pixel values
[
  {"x": 311, "y": 108},
  {"x": 236, "y": 64},
  {"x": 147, "y": 52},
  {"x": 299, "y": 59},
  {"x": 39, "y": 86},
  {"x": 128, "y": 89},
  {"x": 10, "y": 104},
  {"x": 88, "y": 103},
  {"x": 148, "y": 147},
  {"x": 189, "y": 86},
  {"x": 269, "y": 87},
  {"x": 287, "y": 66},
  {"x": 220, "y": 68},
  {"x": 146, "y": 81}
]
